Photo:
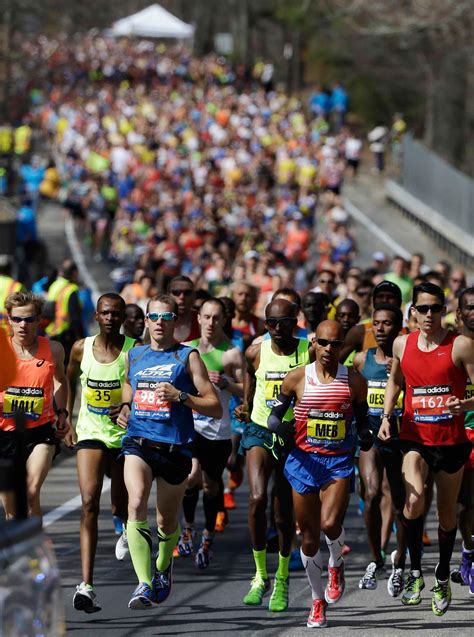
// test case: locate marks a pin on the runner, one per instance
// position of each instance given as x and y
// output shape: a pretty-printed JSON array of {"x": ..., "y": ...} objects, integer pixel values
[
  {"x": 373, "y": 364},
  {"x": 315, "y": 309},
  {"x": 38, "y": 390},
  {"x": 134, "y": 324},
  {"x": 181, "y": 288},
  {"x": 347, "y": 314},
  {"x": 245, "y": 322},
  {"x": 267, "y": 365},
  {"x": 99, "y": 360},
  {"x": 465, "y": 573},
  {"x": 321, "y": 465},
  {"x": 360, "y": 337},
  {"x": 434, "y": 365},
  {"x": 212, "y": 444},
  {"x": 157, "y": 412}
]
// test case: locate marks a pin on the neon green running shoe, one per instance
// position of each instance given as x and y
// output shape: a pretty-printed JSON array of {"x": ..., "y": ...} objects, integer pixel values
[
  {"x": 414, "y": 584},
  {"x": 258, "y": 588},
  {"x": 441, "y": 597},
  {"x": 279, "y": 598}
]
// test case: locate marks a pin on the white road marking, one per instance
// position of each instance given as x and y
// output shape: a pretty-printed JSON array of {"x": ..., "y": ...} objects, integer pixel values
[
  {"x": 68, "y": 507},
  {"x": 374, "y": 229},
  {"x": 78, "y": 257}
]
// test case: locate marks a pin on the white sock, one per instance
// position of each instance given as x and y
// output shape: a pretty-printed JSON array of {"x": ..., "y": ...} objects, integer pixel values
[
  {"x": 335, "y": 549},
  {"x": 314, "y": 567}
]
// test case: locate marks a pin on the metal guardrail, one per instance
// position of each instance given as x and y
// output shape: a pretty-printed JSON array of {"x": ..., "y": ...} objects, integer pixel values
[
  {"x": 437, "y": 184},
  {"x": 457, "y": 242}
]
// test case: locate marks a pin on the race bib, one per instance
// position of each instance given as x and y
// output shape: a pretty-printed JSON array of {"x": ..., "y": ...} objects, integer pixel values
[
  {"x": 376, "y": 396},
  {"x": 429, "y": 403},
  {"x": 147, "y": 404},
  {"x": 469, "y": 390},
  {"x": 101, "y": 394},
  {"x": 273, "y": 381},
  {"x": 325, "y": 426},
  {"x": 25, "y": 400}
]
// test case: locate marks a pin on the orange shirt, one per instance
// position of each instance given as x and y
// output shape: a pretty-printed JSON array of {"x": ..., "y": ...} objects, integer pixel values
[{"x": 31, "y": 391}]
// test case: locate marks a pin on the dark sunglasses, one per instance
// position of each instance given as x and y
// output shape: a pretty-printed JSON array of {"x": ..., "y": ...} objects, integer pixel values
[
  {"x": 324, "y": 342},
  {"x": 20, "y": 319},
  {"x": 325, "y": 280},
  {"x": 424, "y": 309},
  {"x": 284, "y": 321},
  {"x": 155, "y": 316},
  {"x": 181, "y": 292}
]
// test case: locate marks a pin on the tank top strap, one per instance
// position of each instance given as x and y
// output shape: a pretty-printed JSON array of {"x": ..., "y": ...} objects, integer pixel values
[
  {"x": 44, "y": 349},
  {"x": 87, "y": 355}
]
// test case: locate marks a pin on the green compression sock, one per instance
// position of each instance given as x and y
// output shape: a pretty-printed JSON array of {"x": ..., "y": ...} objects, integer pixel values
[
  {"x": 260, "y": 558},
  {"x": 166, "y": 544},
  {"x": 139, "y": 543},
  {"x": 283, "y": 566}
]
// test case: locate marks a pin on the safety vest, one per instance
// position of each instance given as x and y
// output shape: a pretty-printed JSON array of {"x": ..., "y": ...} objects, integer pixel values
[
  {"x": 60, "y": 292},
  {"x": 7, "y": 286},
  {"x": 22, "y": 139},
  {"x": 6, "y": 139}
]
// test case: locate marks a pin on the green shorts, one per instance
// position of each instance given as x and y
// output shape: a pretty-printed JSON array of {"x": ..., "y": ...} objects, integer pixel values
[{"x": 256, "y": 436}]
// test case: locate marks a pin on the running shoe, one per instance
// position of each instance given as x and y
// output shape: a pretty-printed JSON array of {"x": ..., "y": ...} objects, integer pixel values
[
  {"x": 162, "y": 583},
  {"x": 121, "y": 548},
  {"x": 295, "y": 563},
  {"x": 185, "y": 542},
  {"x": 222, "y": 521},
  {"x": 317, "y": 614},
  {"x": 204, "y": 553},
  {"x": 441, "y": 597},
  {"x": 369, "y": 580},
  {"x": 471, "y": 581},
  {"x": 336, "y": 584},
  {"x": 142, "y": 597},
  {"x": 467, "y": 559},
  {"x": 426, "y": 539},
  {"x": 456, "y": 576},
  {"x": 85, "y": 599},
  {"x": 258, "y": 588},
  {"x": 395, "y": 581},
  {"x": 279, "y": 597},
  {"x": 119, "y": 526},
  {"x": 414, "y": 584},
  {"x": 229, "y": 500},
  {"x": 235, "y": 479}
]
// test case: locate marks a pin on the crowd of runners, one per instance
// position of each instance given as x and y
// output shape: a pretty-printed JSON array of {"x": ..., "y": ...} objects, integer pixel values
[{"x": 239, "y": 341}]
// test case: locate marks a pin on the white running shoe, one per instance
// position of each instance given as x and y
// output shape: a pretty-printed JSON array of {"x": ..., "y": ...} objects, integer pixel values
[
  {"x": 85, "y": 599},
  {"x": 369, "y": 580},
  {"x": 396, "y": 581},
  {"x": 121, "y": 548}
]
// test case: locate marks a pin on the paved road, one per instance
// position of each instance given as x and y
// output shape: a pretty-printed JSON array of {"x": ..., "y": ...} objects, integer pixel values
[{"x": 211, "y": 601}]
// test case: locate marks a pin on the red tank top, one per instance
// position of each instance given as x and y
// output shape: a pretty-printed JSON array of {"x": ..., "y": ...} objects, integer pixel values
[
  {"x": 431, "y": 377},
  {"x": 31, "y": 391},
  {"x": 324, "y": 414}
]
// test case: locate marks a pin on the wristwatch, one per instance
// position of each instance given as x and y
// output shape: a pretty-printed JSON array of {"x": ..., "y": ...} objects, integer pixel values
[
  {"x": 387, "y": 416},
  {"x": 183, "y": 397}
]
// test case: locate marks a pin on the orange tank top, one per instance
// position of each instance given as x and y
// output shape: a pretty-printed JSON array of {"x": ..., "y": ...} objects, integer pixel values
[{"x": 31, "y": 391}]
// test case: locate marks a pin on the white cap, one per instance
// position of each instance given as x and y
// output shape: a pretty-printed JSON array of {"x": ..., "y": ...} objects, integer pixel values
[{"x": 378, "y": 256}]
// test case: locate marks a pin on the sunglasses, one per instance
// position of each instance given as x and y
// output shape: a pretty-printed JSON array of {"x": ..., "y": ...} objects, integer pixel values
[
  {"x": 155, "y": 316},
  {"x": 324, "y": 342},
  {"x": 26, "y": 319},
  {"x": 284, "y": 321},
  {"x": 181, "y": 292},
  {"x": 424, "y": 309},
  {"x": 325, "y": 280}
]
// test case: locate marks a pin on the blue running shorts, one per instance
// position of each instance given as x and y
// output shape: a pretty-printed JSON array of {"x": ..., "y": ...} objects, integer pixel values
[{"x": 309, "y": 472}]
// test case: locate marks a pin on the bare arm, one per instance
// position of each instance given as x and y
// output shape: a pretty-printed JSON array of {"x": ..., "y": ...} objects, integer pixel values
[
  {"x": 127, "y": 396},
  {"x": 252, "y": 360},
  {"x": 394, "y": 387},
  {"x": 60, "y": 388},
  {"x": 207, "y": 403},
  {"x": 353, "y": 341},
  {"x": 73, "y": 373},
  {"x": 359, "y": 361}
]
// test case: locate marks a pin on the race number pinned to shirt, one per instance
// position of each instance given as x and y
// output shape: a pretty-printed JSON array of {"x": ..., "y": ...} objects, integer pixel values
[
  {"x": 325, "y": 426},
  {"x": 429, "y": 403},
  {"x": 147, "y": 404},
  {"x": 25, "y": 400},
  {"x": 273, "y": 382},
  {"x": 376, "y": 397},
  {"x": 101, "y": 394}
]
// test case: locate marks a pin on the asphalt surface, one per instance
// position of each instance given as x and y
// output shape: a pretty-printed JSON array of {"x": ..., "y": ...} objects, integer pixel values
[{"x": 211, "y": 601}]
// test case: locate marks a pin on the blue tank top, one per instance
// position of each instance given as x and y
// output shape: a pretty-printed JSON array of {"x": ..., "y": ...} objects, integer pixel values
[
  {"x": 376, "y": 375},
  {"x": 160, "y": 421}
]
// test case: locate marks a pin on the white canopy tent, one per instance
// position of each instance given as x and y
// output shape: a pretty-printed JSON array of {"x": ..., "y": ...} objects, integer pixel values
[{"x": 153, "y": 22}]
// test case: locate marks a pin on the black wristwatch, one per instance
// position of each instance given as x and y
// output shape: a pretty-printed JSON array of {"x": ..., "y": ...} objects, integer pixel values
[
  {"x": 62, "y": 410},
  {"x": 183, "y": 397}
]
